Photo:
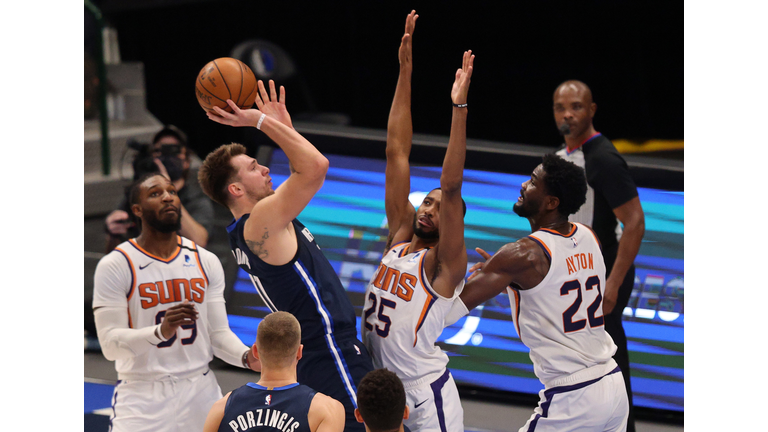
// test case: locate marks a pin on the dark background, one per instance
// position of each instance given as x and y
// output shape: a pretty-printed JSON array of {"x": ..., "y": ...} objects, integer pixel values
[{"x": 629, "y": 53}]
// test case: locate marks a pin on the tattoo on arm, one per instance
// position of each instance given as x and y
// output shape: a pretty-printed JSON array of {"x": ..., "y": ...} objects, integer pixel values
[{"x": 258, "y": 247}]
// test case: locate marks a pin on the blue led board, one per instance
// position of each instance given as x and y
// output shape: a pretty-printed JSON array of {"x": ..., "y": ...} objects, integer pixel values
[{"x": 348, "y": 221}]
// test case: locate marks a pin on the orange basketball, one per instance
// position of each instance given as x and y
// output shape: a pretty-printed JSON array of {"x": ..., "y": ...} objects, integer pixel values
[{"x": 222, "y": 79}]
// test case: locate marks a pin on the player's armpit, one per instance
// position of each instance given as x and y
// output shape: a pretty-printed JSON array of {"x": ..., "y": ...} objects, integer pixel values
[
  {"x": 325, "y": 414},
  {"x": 213, "y": 421}
]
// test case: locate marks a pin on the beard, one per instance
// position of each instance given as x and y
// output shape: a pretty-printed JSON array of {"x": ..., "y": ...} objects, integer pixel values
[
  {"x": 523, "y": 209},
  {"x": 420, "y": 233},
  {"x": 564, "y": 129},
  {"x": 164, "y": 227}
]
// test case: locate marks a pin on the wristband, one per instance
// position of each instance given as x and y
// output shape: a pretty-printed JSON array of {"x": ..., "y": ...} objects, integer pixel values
[
  {"x": 245, "y": 360},
  {"x": 159, "y": 333},
  {"x": 464, "y": 105},
  {"x": 258, "y": 125}
]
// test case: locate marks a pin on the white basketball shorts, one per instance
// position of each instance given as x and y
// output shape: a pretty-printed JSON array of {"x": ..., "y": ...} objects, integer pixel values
[
  {"x": 596, "y": 405},
  {"x": 435, "y": 406},
  {"x": 167, "y": 405}
]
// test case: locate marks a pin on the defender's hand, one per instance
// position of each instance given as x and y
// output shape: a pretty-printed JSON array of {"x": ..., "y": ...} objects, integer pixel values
[
  {"x": 463, "y": 75},
  {"x": 273, "y": 107}
]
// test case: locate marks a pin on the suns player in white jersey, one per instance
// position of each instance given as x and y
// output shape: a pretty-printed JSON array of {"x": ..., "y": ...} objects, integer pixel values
[
  {"x": 555, "y": 278},
  {"x": 160, "y": 315},
  {"x": 418, "y": 278}
]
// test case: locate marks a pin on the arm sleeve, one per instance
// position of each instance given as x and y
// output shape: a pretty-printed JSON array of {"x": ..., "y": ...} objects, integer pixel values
[
  {"x": 458, "y": 310},
  {"x": 117, "y": 340},
  {"x": 225, "y": 343},
  {"x": 113, "y": 282}
]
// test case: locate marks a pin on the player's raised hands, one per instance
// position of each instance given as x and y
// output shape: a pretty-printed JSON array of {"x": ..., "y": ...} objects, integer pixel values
[
  {"x": 405, "y": 54},
  {"x": 176, "y": 316},
  {"x": 463, "y": 76},
  {"x": 271, "y": 105}
]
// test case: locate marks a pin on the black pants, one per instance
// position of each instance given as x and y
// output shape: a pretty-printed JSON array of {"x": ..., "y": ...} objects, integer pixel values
[{"x": 615, "y": 328}]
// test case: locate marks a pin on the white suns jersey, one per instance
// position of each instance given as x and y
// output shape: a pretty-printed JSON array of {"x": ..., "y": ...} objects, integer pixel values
[
  {"x": 149, "y": 285},
  {"x": 403, "y": 316},
  {"x": 561, "y": 319}
]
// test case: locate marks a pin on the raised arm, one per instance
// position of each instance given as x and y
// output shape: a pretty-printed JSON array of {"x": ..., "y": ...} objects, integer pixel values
[
  {"x": 521, "y": 263},
  {"x": 399, "y": 136},
  {"x": 451, "y": 250},
  {"x": 272, "y": 215}
]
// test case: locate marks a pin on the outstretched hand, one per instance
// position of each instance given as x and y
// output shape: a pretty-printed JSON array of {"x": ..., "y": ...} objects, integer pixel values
[
  {"x": 405, "y": 54},
  {"x": 273, "y": 106},
  {"x": 463, "y": 75},
  {"x": 478, "y": 266}
]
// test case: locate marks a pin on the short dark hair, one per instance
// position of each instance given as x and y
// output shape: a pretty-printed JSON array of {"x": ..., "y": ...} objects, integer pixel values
[
  {"x": 566, "y": 181},
  {"x": 134, "y": 192},
  {"x": 381, "y": 400}
]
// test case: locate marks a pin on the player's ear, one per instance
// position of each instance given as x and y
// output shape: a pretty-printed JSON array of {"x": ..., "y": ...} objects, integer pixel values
[
  {"x": 552, "y": 202},
  {"x": 406, "y": 413},
  {"x": 300, "y": 352},
  {"x": 235, "y": 189},
  {"x": 136, "y": 210},
  {"x": 255, "y": 352},
  {"x": 358, "y": 416}
]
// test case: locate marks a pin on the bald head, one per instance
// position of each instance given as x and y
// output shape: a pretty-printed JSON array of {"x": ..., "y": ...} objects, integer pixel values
[
  {"x": 574, "y": 109},
  {"x": 575, "y": 87}
]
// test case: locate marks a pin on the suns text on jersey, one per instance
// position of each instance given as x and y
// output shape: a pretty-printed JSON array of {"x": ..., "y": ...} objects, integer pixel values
[
  {"x": 264, "y": 418},
  {"x": 578, "y": 262},
  {"x": 402, "y": 284},
  {"x": 170, "y": 291}
]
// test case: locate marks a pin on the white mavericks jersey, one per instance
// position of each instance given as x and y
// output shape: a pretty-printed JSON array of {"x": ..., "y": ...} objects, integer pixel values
[
  {"x": 149, "y": 285},
  {"x": 561, "y": 319},
  {"x": 403, "y": 316}
]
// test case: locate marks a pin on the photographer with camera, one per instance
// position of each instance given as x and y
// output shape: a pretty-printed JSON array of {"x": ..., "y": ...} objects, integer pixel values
[{"x": 170, "y": 156}]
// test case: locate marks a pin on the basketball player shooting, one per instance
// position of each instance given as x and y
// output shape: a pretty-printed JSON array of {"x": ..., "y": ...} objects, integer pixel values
[{"x": 424, "y": 264}]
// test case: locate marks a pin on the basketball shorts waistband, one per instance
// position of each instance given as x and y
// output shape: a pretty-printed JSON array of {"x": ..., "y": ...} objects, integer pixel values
[
  {"x": 426, "y": 379},
  {"x": 564, "y": 389}
]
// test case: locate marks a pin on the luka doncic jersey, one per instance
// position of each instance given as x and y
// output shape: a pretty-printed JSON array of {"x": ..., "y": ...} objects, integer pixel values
[
  {"x": 403, "y": 316},
  {"x": 257, "y": 408},
  {"x": 307, "y": 286},
  {"x": 561, "y": 318}
]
